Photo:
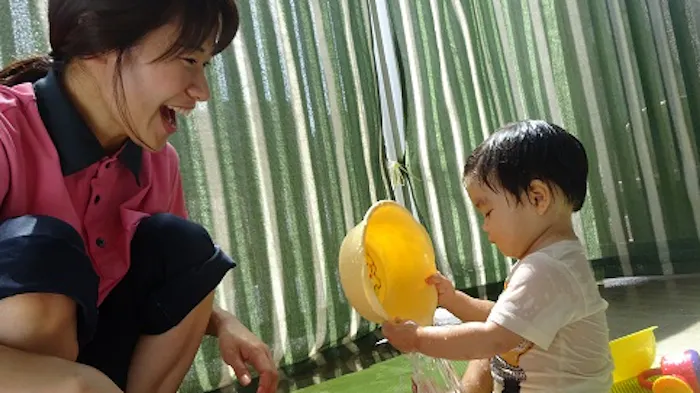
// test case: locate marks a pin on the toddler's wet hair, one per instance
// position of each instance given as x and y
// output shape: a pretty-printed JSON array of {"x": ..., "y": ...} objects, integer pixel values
[{"x": 518, "y": 153}]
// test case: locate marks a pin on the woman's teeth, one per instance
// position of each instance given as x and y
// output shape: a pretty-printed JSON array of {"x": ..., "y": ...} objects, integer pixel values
[{"x": 181, "y": 111}]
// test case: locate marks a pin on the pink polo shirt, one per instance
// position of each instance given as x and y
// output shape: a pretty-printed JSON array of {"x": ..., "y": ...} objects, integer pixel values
[{"x": 51, "y": 164}]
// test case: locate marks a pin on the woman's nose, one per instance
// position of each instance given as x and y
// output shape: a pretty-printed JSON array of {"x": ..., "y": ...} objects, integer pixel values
[{"x": 199, "y": 90}]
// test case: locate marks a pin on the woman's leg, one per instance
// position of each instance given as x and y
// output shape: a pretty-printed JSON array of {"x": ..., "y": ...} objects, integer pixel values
[
  {"x": 25, "y": 372},
  {"x": 152, "y": 323},
  {"x": 161, "y": 362},
  {"x": 46, "y": 288},
  {"x": 40, "y": 323},
  {"x": 477, "y": 378}
]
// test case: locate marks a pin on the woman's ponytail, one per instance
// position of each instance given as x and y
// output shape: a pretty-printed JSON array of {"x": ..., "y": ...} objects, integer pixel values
[{"x": 27, "y": 70}]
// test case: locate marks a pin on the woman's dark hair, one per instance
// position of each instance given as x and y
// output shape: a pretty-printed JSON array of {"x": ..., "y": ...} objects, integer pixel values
[
  {"x": 515, "y": 155},
  {"x": 89, "y": 28}
]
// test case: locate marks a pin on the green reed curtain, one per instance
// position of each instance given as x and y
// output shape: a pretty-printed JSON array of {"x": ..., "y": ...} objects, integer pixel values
[
  {"x": 322, "y": 107},
  {"x": 624, "y": 76}
]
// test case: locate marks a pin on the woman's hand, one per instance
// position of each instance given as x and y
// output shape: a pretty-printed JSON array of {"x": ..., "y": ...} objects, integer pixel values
[{"x": 240, "y": 348}]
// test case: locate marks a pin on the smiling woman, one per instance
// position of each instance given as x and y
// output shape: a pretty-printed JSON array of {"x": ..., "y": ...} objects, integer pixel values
[
  {"x": 150, "y": 88},
  {"x": 128, "y": 64},
  {"x": 106, "y": 281}
]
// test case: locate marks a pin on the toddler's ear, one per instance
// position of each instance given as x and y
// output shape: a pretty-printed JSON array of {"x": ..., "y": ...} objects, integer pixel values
[{"x": 540, "y": 196}]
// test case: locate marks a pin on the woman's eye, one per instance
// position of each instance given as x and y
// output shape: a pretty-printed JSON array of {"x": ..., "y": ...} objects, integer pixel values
[
  {"x": 190, "y": 60},
  {"x": 488, "y": 214}
]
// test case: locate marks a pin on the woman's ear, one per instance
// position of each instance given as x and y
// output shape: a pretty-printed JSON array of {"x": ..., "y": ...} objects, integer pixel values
[{"x": 540, "y": 196}]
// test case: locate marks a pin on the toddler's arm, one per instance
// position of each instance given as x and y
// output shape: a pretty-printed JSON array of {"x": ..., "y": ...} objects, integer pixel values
[
  {"x": 463, "y": 306},
  {"x": 467, "y": 341},
  {"x": 469, "y": 309}
]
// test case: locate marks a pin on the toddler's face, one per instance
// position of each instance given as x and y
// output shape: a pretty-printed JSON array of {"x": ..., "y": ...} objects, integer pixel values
[{"x": 511, "y": 226}]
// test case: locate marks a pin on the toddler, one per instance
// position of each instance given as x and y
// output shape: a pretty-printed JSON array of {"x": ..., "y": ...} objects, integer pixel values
[{"x": 548, "y": 331}]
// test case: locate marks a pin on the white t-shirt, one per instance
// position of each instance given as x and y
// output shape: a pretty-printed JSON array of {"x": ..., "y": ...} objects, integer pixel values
[{"x": 551, "y": 299}]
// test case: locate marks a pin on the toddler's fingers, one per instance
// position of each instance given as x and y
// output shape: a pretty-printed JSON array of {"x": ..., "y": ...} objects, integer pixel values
[{"x": 434, "y": 279}]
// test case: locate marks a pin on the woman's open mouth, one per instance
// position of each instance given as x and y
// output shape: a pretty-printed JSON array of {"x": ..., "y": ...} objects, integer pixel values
[
  {"x": 169, "y": 119},
  {"x": 169, "y": 115}
]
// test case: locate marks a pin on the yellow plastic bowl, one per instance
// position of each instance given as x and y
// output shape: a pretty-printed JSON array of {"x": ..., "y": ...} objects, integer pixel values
[
  {"x": 633, "y": 353},
  {"x": 383, "y": 264}
]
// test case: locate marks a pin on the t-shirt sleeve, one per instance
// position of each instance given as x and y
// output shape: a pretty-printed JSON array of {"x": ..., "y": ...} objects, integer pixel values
[
  {"x": 540, "y": 299},
  {"x": 177, "y": 204}
]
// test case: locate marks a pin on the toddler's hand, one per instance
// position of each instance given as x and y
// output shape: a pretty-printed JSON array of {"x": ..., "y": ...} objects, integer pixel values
[
  {"x": 445, "y": 288},
  {"x": 402, "y": 335}
]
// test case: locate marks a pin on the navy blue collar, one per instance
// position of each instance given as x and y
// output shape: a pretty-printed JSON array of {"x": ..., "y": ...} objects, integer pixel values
[{"x": 77, "y": 146}]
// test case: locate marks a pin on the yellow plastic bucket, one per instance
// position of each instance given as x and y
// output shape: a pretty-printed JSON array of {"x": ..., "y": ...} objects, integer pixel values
[
  {"x": 383, "y": 264},
  {"x": 633, "y": 353}
]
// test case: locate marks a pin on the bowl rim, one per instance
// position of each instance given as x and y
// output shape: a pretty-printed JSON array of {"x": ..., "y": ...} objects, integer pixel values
[{"x": 630, "y": 335}]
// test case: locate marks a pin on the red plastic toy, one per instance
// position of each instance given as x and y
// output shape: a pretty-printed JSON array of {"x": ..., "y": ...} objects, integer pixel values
[{"x": 679, "y": 373}]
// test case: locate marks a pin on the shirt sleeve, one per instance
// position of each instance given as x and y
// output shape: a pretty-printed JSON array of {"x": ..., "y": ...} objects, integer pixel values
[
  {"x": 177, "y": 205},
  {"x": 540, "y": 299}
]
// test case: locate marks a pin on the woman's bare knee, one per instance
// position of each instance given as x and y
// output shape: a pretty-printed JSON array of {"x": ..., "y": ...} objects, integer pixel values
[{"x": 40, "y": 323}]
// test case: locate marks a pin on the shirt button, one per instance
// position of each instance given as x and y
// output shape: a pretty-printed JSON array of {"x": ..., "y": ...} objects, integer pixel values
[
  {"x": 97, "y": 199},
  {"x": 100, "y": 242}
]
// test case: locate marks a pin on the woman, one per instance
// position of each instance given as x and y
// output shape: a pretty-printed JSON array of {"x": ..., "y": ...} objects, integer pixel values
[{"x": 104, "y": 284}]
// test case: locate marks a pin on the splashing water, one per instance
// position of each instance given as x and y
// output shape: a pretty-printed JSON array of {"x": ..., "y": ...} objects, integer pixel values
[{"x": 431, "y": 375}]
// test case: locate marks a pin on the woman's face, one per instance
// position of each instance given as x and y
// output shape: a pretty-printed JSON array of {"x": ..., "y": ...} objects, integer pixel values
[{"x": 154, "y": 91}]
